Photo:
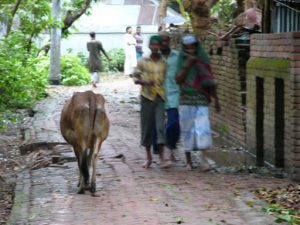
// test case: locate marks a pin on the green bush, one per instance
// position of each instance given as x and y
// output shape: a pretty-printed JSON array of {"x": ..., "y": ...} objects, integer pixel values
[
  {"x": 83, "y": 59},
  {"x": 116, "y": 64},
  {"x": 73, "y": 72},
  {"x": 21, "y": 81}
]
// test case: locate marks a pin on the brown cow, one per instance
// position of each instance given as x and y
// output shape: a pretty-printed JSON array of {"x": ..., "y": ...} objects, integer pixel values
[{"x": 84, "y": 125}]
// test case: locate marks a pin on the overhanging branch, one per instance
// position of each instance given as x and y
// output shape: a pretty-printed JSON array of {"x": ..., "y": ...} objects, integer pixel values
[{"x": 71, "y": 16}]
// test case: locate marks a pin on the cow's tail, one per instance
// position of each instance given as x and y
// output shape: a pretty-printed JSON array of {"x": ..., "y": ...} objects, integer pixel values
[
  {"x": 84, "y": 167},
  {"x": 85, "y": 164},
  {"x": 92, "y": 108}
]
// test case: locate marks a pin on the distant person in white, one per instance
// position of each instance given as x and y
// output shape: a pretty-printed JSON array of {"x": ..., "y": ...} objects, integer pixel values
[{"x": 130, "y": 53}]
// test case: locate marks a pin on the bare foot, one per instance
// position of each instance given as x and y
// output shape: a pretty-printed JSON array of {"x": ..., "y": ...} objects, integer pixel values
[
  {"x": 165, "y": 164},
  {"x": 147, "y": 164},
  {"x": 206, "y": 169},
  {"x": 173, "y": 158},
  {"x": 189, "y": 167}
]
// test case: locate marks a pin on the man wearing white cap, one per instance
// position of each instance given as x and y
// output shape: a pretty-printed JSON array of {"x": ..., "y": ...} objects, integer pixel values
[{"x": 197, "y": 87}]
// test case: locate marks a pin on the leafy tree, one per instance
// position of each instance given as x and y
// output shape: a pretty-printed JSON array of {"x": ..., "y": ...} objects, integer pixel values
[
  {"x": 74, "y": 10},
  {"x": 224, "y": 10},
  {"x": 22, "y": 79},
  {"x": 21, "y": 83}
]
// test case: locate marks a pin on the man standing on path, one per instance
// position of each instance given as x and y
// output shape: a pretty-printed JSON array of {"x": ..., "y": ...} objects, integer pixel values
[
  {"x": 172, "y": 92},
  {"x": 150, "y": 74},
  {"x": 197, "y": 87},
  {"x": 95, "y": 66},
  {"x": 130, "y": 54},
  {"x": 139, "y": 43}
]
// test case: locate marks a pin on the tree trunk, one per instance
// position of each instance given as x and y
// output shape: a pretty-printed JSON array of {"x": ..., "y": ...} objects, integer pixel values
[
  {"x": 163, "y": 5},
  {"x": 240, "y": 6},
  {"x": 54, "y": 76},
  {"x": 266, "y": 17},
  {"x": 211, "y": 3},
  {"x": 11, "y": 19},
  {"x": 199, "y": 11}
]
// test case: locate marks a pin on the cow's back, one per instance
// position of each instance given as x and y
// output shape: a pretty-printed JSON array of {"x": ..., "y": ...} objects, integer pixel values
[{"x": 83, "y": 119}]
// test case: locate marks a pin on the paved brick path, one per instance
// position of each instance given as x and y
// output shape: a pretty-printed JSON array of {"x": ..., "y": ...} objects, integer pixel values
[{"x": 127, "y": 194}]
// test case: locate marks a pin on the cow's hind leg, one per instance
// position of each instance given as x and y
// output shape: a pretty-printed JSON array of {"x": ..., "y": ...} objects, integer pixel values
[
  {"x": 97, "y": 147},
  {"x": 84, "y": 174},
  {"x": 77, "y": 154}
]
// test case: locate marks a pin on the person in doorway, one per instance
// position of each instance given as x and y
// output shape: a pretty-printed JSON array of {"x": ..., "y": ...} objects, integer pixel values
[
  {"x": 171, "y": 94},
  {"x": 130, "y": 54},
  {"x": 150, "y": 74},
  {"x": 197, "y": 86},
  {"x": 139, "y": 43},
  {"x": 95, "y": 66}
]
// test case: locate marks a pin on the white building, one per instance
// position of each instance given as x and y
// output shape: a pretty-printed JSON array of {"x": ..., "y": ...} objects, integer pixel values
[{"x": 109, "y": 19}]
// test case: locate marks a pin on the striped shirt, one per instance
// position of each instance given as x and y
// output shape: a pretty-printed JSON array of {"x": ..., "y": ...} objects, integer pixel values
[
  {"x": 155, "y": 71},
  {"x": 139, "y": 42}
]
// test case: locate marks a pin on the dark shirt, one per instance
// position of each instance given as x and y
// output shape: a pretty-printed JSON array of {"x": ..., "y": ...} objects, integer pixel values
[{"x": 94, "y": 47}]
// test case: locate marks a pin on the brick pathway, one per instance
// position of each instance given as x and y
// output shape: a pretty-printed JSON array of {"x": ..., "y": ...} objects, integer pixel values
[{"x": 127, "y": 194}]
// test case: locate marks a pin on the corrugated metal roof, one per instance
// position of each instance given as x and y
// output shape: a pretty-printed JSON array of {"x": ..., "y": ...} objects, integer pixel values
[
  {"x": 290, "y": 1},
  {"x": 147, "y": 15},
  {"x": 133, "y": 2},
  {"x": 105, "y": 16}
]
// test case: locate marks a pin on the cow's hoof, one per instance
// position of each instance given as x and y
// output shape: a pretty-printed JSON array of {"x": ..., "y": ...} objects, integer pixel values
[
  {"x": 93, "y": 188},
  {"x": 80, "y": 191}
]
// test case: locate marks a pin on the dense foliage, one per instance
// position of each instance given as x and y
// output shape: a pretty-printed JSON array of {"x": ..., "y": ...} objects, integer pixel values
[
  {"x": 72, "y": 71},
  {"x": 23, "y": 73},
  {"x": 21, "y": 81},
  {"x": 224, "y": 11},
  {"x": 116, "y": 64}
]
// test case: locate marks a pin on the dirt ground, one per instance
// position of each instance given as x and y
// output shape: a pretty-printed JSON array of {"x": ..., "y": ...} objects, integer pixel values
[{"x": 10, "y": 161}]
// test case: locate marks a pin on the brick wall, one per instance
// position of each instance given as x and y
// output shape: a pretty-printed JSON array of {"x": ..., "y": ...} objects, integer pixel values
[
  {"x": 229, "y": 67},
  {"x": 275, "y": 57}
]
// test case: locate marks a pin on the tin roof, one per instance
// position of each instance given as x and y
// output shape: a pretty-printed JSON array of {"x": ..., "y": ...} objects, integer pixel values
[
  {"x": 115, "y": 15},
  {"x": 290, "y": 1}
]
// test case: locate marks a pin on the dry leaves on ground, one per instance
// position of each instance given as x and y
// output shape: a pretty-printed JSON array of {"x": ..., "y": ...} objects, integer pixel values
[{"x": 283, "y": 202}]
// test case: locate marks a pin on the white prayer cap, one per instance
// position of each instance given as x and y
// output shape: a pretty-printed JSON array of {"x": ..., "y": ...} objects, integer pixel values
[{"x": 189, "y": 39}]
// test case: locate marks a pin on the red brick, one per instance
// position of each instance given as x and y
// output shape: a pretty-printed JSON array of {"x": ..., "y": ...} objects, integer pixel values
[
  {"x": 295, "y": 57},
  {"x": 296, "y": 34},
  {"x": 295, "y": 63},
  {"x": 296, "y": 49},
  {"x": 283, "y": 42},
  {"x": 296, "y": 72},
  {"x": 296, "y": 42}
]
